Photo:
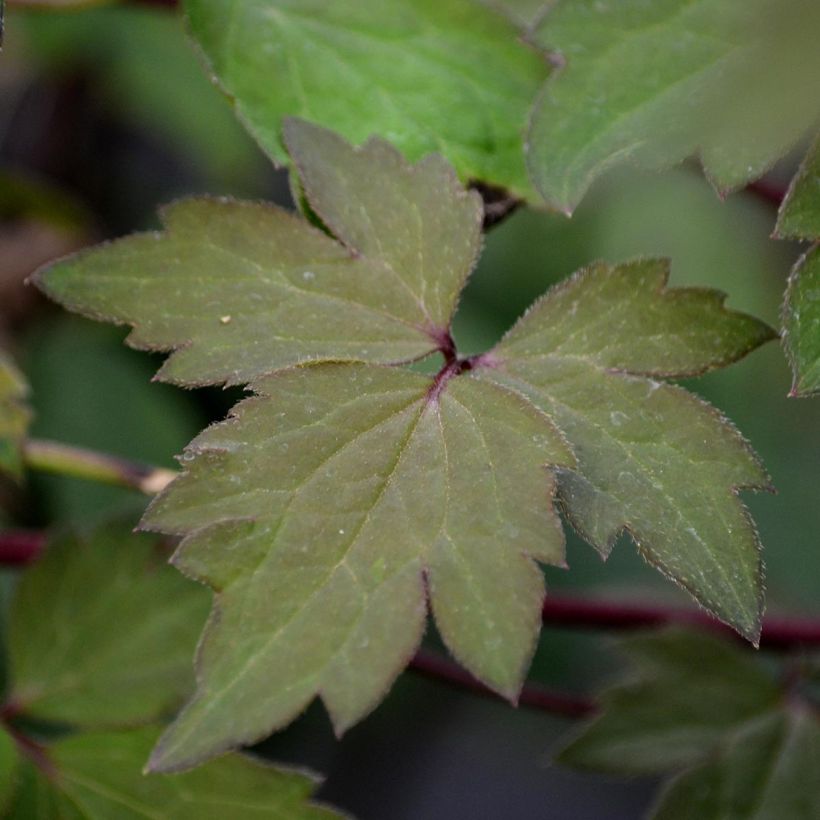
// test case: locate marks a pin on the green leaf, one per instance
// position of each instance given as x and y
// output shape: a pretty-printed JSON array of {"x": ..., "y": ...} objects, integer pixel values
[
  {"x": 430, "y": 75},
  {"x": 673, "y": 711},
  {"x": 14, "y": 417},
  {"x": 652, "y": 459},
  {"x": 751, "y": 750},
  {"x": 801, "y": 324},
  {"x": 270, "y": 290},
  {"x": 99, "y": 776},
  {"x": 101, "y": 632},
  {"x": 799, "y": 218},
  {"x": 799, "y": 214},
  {"x": 326, "y": 511},
  {"x": 734, "y": 83},
  {"x": 9, "y": 769},
  {"x": 766, "y": 771}
]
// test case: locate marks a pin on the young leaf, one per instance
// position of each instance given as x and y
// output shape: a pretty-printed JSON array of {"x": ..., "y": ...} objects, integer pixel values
[
  {"x": 698, "y": 702},
  {"x": 801, "y": 324},
  {"x": 119, "y": 656},
  {"x": 768, "y": 770},
  {"x": 652, "y": 83},
  {"x": 799, "y": 218},
  {"x": 673, "y": 711},
  {"x": 652, "y": 459},
  {"x": 269, "y": 290},
  {"x": 99, "y": 776},
  {"x": 14, "y": 417},
  {"x": 431, "y": 75},
  {"x": 323, "y": 510}
]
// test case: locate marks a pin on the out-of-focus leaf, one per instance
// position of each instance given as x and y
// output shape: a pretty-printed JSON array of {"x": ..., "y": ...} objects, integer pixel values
[
  {"x": 652, "y": 83},
  {"x": 687, "y": 692},
  {"x": 151, "y": 76},
  {"x": 652, "y": 459},
  {"x": 73, "y": 359},
  {"x": 318, "y": 511},
  {"x": 102, "y": 631},
  {"x": 99, "y": 777},
  {"x": 14, "y": 417},
  {"x": 768, "y": 770},
  {"x": 9, "y": 769},
  {"x": 429, "y": 75},
  {"x": 240, "y": 289}
]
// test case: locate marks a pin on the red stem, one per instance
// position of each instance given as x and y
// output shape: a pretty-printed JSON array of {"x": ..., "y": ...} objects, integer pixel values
[
  {"x": 19, "y": 547},
  {"x": 435, "y": 666},
  {"x": 577, "y": 613},
  {"x": 771, "y": 192}
]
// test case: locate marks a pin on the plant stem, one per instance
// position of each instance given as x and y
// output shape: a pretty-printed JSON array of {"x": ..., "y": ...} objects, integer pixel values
[
  {"x": 64, "y": 459},
  {"x": 578, "y": 613},
  {"x": 18, "y": 547},
  {"x": 432, "y": 665}
]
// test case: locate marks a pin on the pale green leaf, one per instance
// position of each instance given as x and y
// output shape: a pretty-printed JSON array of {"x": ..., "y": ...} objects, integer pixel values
[
  {"x": 652, "y": 459},
  {"x": 14, "y": 417},
  {"x": 326, "y": 511},
  {"x": 687, "y": 692},
  {"x": 653, "y": 83},
  {"x": 101, "y": 632},
  {"x": 799, "y": 214},
  {"x": 99, "y": 777},
  {"x": 769, "y": 770},
  {"x": 801, "y": 324},
  {"x": 241, "y": 289},
  {"x": 449, "y": 76}
]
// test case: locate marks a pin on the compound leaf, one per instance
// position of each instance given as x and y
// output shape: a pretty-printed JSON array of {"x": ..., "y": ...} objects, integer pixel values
[
  {"x": 430, "y": 75},
  {"x": 652, "y": 458},
  {"x": 654, "y": 83},
  {"x": 241, "y": 289},
  {"x": 320, "y": 513},
  {"x": 799, "y": 218},
  {"x": 100, "y": 776},
  {"x": 119, "y": 656},
  {"x": 14, "y": 417}
]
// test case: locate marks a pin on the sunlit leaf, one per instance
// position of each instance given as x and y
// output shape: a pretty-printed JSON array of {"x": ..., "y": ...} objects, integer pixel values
[
  {"x": 240, "y": 289},
  {"x": 429, "y": 75},
  {"x": 326, "y": 512},
  {"x": 652, "y": 459},
  {"x": 653, "y": 83},
  {"x": 99, "y": 777},
  {"x": 14, "y": 416},
  {"x": 101, "y": 632}
]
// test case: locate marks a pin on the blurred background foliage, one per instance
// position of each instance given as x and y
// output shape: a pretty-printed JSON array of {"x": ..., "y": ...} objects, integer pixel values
[{"x": 105, "y": 113}]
